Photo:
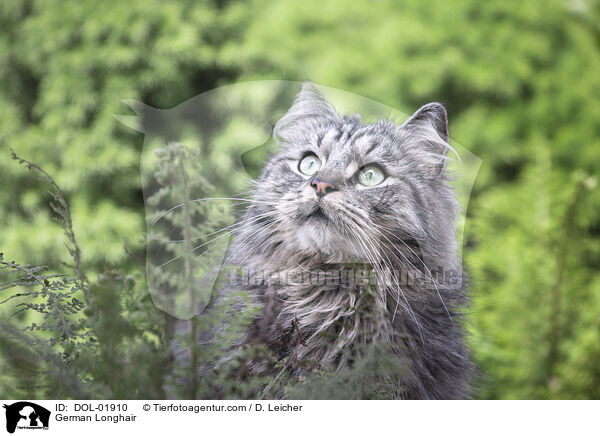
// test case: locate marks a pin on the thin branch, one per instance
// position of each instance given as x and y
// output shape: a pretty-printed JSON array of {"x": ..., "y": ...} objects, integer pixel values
[{"x": 61, "y": 207}]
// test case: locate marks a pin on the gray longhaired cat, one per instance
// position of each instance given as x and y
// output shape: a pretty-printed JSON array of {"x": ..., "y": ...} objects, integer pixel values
[{"x": 342, "y": 195}]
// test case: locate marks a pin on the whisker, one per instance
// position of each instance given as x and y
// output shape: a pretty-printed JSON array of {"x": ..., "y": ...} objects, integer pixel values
[
  {"x": 361, "y": 224},
  {"x": 427, "y": 270},
  {"x": 213, "y": 198}
]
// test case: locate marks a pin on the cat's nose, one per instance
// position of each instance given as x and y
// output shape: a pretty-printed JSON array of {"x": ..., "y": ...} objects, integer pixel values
[{"x": 322, "y": 187}]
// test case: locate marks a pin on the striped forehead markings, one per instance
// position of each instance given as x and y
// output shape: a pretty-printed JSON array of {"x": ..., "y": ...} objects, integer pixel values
[
  {"x": 341, "y": 144},
  {"x": 351, "y": 169},
  {"x": 328, "y": 138},
  {"x": 365, "y": 143}
]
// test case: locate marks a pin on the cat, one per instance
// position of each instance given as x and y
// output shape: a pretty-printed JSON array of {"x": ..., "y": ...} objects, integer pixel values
[{"x": 342, "y": 196}]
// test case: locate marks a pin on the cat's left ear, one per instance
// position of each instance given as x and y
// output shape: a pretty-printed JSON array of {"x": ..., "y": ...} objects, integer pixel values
[
  {"x": 428, "y": 130},
  {"x": 433, "y": 114},
  {"x": 310, "y": 105}
]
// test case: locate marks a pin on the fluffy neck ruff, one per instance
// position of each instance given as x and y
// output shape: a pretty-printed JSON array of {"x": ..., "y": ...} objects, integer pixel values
[{"x": 322, "y": 311}]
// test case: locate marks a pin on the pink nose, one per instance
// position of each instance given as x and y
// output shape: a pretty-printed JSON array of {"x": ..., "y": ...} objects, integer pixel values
[{"x": 322, "y": 188}]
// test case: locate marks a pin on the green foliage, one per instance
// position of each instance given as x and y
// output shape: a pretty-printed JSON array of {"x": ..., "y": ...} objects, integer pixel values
[
  {"x": 62, "y": 77},
  {"x": 58, "y": 304},
  {"x": 63, "y": 346},
  {"x": 521, "y": 84}
]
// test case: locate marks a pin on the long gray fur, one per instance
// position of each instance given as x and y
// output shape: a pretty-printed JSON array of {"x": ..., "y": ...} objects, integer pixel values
[{"x": 407, "y": 223}]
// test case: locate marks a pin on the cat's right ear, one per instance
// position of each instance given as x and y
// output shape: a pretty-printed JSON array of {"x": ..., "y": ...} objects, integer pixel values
[{"x": 309, "y": 104}]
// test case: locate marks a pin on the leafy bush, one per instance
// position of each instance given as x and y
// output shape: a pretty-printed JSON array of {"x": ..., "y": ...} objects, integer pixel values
[{"x": 520, "y": 81}]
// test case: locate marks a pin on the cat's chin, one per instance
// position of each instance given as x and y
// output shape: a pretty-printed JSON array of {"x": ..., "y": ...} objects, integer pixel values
[{"x": 320, "y": 237}]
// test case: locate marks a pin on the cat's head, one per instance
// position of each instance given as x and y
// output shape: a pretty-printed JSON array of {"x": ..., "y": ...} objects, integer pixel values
[{"x": 346, "y": 189}]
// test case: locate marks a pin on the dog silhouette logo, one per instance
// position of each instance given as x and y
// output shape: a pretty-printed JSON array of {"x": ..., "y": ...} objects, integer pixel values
[
  {"x": 199, "y": 162},
  {"x": 26, "y": 415}
]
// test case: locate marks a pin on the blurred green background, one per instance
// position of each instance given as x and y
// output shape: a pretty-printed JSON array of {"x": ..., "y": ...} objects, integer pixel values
[{"x": 520, "y": 79}]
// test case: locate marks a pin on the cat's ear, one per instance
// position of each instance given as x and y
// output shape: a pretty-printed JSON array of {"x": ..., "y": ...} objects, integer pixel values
[
  {"x": 433, "y": 114},
  {"x": 310, "y": 103},
  {"x": 428, "y": 129}
]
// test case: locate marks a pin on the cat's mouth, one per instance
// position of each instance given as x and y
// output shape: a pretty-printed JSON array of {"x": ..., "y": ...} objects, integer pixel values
[{"x": 317, "y": 214}]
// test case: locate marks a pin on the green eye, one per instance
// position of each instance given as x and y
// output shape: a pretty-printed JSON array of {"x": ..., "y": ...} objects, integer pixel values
[
  {"x": 370, "y": 176},
  {"x": 309, "y": 165}
]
